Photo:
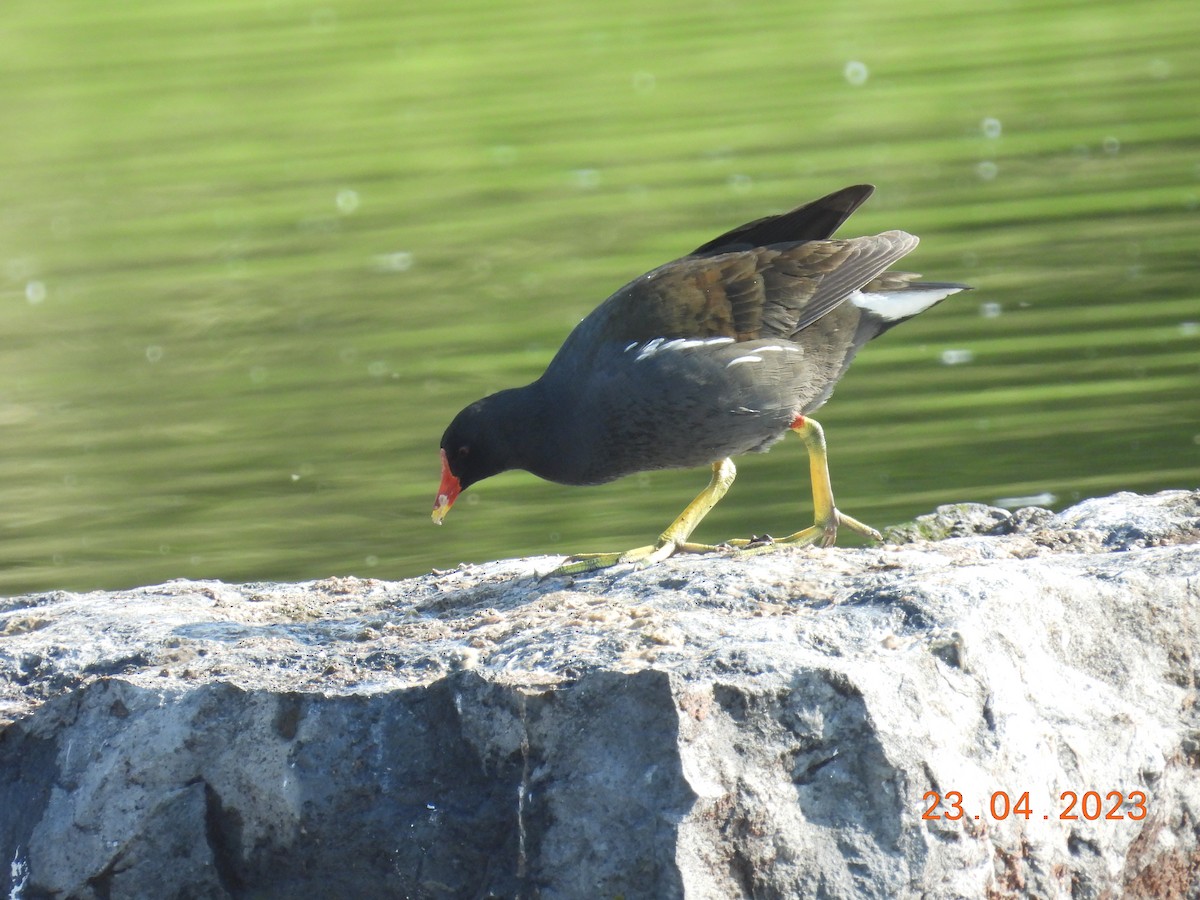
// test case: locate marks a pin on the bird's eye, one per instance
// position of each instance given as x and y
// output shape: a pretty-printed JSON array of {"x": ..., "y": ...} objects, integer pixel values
[{"x": 463, "y": 452}]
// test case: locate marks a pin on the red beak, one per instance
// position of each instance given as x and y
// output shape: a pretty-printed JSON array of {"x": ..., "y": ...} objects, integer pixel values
[{"x": 447, "y": 493}]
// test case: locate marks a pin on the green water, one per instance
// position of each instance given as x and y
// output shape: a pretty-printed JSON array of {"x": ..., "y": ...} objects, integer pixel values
[{"x": 255, "y": 255}]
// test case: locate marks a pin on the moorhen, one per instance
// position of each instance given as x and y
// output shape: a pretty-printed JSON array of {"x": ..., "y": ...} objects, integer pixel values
[{"x": 720, "y": 352}]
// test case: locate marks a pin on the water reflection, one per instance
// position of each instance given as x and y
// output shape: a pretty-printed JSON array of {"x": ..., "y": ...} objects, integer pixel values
[{"x": 246, "y": 282}]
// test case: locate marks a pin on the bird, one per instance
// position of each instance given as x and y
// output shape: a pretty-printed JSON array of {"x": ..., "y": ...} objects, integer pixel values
[{"x": 715, "y": 354}]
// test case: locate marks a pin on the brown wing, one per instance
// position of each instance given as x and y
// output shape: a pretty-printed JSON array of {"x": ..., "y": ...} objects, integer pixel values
[{"x": 761, "y": 292}]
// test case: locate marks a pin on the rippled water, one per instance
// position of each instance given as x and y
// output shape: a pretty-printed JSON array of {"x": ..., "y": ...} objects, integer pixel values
[{"x": 254, "y": 256}]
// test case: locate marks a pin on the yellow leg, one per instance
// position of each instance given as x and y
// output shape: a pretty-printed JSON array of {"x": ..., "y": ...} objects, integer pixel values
[
  {"x": 674, "y": 539},
  {"x": 826, "y": 516}
]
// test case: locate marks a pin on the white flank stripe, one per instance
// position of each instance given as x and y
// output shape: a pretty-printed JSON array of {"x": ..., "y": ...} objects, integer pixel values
[
  {"x": 658, "y": 345},
  {"x": 742, "y": 359},
  {"x": 650, "y": 349},
  {"x": 899, "y": 304}
]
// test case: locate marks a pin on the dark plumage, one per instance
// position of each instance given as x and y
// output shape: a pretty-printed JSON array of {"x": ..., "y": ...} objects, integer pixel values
[{"x": 715, "y": 354}]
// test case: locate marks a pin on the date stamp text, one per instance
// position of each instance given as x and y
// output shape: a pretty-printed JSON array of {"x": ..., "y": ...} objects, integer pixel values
[{"x": 1090, "y": 805}]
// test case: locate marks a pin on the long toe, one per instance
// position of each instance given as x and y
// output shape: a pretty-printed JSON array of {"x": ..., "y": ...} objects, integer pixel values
[
  {"x": 592, "y": 562},
  {"x": 813, "y": 535},
  {"x": 586, "y": 562},
  {"x": 639, "y": 556},
  {"x": 856, "y": 526},
  {"x": 754, "y": 542}
]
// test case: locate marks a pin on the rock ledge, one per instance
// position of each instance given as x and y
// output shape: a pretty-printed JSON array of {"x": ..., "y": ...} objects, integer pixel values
[{"x": 715, "y": 727}]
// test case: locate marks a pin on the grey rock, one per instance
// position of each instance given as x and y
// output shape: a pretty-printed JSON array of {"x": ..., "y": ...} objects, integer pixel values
[
  {"x": 766, "y": 726},
  {"x": 960, "y": 520}
]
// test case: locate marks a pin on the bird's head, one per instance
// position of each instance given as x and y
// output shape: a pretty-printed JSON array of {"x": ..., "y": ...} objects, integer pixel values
[{"x": 469, "y": 454}]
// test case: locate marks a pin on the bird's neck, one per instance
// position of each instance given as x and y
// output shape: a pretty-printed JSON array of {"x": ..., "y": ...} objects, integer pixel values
[{"x": 523, "y": 432}]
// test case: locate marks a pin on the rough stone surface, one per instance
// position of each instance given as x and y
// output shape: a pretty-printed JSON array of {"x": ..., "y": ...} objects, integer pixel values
[{"x": 714, "y": 727}]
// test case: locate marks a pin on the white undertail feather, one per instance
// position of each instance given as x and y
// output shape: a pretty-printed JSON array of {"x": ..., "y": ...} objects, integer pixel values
[{"x": 893, "y": 306}]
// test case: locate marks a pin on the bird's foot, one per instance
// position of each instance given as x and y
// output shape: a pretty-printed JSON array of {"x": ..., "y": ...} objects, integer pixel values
[
  {"x": 824, "y": 534},
  {"x": 639, "y": 556},
  {"x": 820, "y": 534}
]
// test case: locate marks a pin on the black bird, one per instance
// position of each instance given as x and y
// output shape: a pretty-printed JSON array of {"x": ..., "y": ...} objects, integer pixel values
[{"x": 717, "y": 353}]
